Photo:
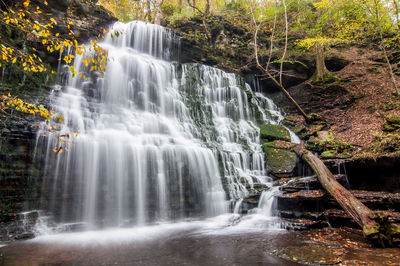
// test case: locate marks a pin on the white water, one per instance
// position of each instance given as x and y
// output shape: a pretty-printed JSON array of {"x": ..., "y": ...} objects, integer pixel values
[{"x": 157, "y": 140}]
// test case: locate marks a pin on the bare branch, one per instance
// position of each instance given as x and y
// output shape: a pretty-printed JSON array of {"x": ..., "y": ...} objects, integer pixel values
[
  {"x": 286, "y": 42},
  {"x": 265, "y": 71}
]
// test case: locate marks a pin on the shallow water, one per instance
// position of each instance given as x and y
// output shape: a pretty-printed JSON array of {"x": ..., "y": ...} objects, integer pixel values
[
  {"x": 222, "y": 240},
  {"x": 176, "y": 249},
  {"x": 212, "y": 242}
]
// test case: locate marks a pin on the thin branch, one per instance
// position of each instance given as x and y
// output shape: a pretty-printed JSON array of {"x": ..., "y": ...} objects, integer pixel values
[
  {"x": 265, "y": 71},
  {"x": 271, "y": 42},
  {"x": 382, "y": 46},
  {"x": 204, "y": 16},
  {"x": 286, "y": 42}
]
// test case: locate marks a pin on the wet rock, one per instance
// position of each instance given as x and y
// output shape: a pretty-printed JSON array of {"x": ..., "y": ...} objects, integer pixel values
[
  {"x": 249, "y": 203},
  {"x": 280, "y": 162},
  {"x": 23, "y": 236},
  {"x": 270, "y": 132},
  {"x": 290, "y": 185},
  {"x": 304, "y": 201},
  {"x": 302, "y": 224},
  {"x": 295, "y": 124}
]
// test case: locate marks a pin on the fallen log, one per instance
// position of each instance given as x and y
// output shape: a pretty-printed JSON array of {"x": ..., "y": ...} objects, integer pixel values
[{"x": 376, "y": 226}]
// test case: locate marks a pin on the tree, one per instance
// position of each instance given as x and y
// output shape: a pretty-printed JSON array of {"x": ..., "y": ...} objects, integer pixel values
[
  {"x": 204, "y": 12},
  {"x": 376, "y": 226},
  {"x": 319, "y": 44},
  {"x": 157, "y": 11},
  {"x": 344, "y": 21},
  {"x": 42, "y": 32},
  {"x": 266, "y": 69},
  {"x": 16, "y": 54},
  {"x": 396, "y": 8},
  {"x": 128, "y": 10},
  {"x": 377, "y": 5}
]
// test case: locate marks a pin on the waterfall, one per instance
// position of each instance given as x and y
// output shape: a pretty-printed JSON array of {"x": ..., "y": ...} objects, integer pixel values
[{"x": 154, "y": 140}]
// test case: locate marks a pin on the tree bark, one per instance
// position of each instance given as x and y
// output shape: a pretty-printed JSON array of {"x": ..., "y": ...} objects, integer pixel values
[
  {"x": 322, "y": 71},
  {"x": 157, "y": 11},
  {"x": 148, "y": 9},
  {"x": 376, "y": 226},
  {"x": 378, "y": 22},
  {"x": 286, "y": 43},
  {"x": 396, "y": 6},
  {"x": 204, "y": 14}
]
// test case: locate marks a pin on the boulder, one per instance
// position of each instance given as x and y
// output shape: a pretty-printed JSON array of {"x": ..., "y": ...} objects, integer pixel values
[
  {"x": 280, "y": 162},
  {"x": 269, "y": 132},
  {"x": 295, "y": 124}
]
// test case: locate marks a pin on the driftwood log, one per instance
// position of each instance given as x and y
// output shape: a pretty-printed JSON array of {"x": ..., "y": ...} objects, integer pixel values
[{"x": 375, "y": 225}]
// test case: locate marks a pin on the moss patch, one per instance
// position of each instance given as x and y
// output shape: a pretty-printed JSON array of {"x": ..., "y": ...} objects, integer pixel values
[
  {"x": 270, "y": 132},
  {"x": 279, "y": 162}
]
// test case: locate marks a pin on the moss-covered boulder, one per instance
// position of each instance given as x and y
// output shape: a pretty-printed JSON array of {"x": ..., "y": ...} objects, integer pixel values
[
  {"x": 280, "y": 161},
  {"x": 296, "y": 124},
  {"x": 270, "y": 132},
  {"x": 392, "y": 120},
  {"x": 390, "y": 128},
  {"x": 328, "y": 154},
  {"x": 392, "y": 123}
]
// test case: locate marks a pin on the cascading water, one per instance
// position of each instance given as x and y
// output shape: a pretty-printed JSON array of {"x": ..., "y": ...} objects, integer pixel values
[{"x": 158, "y": 140}]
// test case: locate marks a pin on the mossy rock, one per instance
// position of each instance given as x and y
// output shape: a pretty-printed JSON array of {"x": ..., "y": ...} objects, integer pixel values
[
  {"x": 295, "y": 124},
  {"x": 270, "y": 144},
  {"x": 279, "y": 162},
  {"x": 390, "y": 128},
  {"x": 270, "y": 132},
  {"x": 313, "y": 144},
  {"x": 392, "y": 120},
  {"x": 328, "y": 154}
]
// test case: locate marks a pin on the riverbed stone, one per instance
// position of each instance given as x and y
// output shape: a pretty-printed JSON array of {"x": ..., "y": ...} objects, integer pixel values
[{"x": 271, "y": 132}]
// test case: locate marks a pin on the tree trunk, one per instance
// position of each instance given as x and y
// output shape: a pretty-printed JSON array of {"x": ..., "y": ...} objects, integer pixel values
[
  {"x": 322, "y": 71},
  {"x": 396, "y": 6},
  {"x": 148, "y": 7},
  {"x": 378, "y": 22},
  {"x": 376, "y": 226},
  {"x": 157, "y": 11},
  {"x": 204, "y": 15},
  {"x": 286, "y": 43}
]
